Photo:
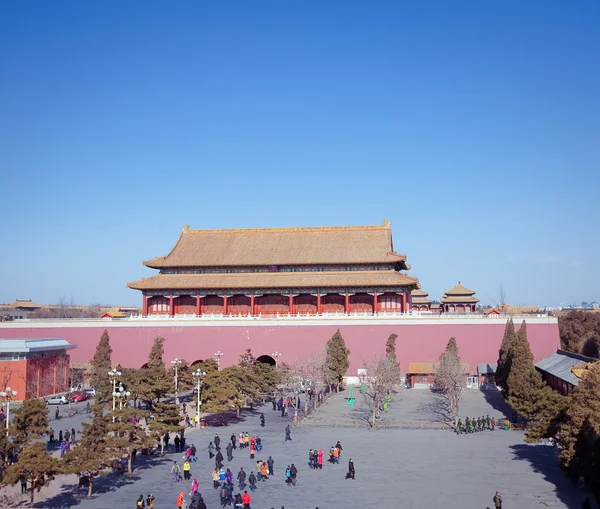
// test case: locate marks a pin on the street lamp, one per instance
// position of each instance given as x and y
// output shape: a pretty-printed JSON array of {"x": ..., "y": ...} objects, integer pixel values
[
  {"x": 218, "y": 355},
  {"x": 122, "y": 394},
  {"x": 8, "y": 395},
  {"x": 114, "y": 374},
  {"x": 176, "y": 363},
  {"x": 276, "y": 356},
  {"x": 198, "y": 376}
]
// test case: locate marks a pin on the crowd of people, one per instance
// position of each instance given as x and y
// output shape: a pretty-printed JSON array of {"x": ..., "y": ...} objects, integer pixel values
[{"x": 474, "y": 425}]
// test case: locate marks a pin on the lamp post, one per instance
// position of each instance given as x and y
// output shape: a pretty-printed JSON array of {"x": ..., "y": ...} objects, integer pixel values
[
  {"x": 218, "y": 355},
  {"x": 114, "y": 374},
  {"x": 198, "y": 376},
  {"x": 276, "y": 356},
  {"x": 8, "y": 395},
  {"x": 121, "y": 394},
  {"x": 176, "y": 363}
]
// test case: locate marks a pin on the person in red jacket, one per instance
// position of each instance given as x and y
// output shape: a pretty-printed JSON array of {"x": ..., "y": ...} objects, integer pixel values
[{"x": 246, "y": 500}]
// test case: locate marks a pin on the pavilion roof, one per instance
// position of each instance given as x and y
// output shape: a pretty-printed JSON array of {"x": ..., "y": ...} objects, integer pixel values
[
  {"x": 282, "y": 246},
  {"x": 459, "y": 290},
  {"x": 283, "y": 280},
  {"x": 419, "y": 293},
  {"x": 460, "y": 299},
  {"x": 420, "y": 297}
]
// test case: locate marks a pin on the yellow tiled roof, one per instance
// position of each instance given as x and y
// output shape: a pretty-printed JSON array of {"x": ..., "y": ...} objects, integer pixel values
[{"x": 281, "y": 246}]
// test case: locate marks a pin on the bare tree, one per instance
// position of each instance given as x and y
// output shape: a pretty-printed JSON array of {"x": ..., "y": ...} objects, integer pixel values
[
  {"x": 309, "y": 375},
  {"x": 378, "y": 379},
  {"x": 501, "y": 297},
  {"x": 449, "y": 377}
]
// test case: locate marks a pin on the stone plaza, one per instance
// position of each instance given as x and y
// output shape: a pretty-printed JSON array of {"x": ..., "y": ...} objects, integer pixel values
[{"x": 410, "y": 461}]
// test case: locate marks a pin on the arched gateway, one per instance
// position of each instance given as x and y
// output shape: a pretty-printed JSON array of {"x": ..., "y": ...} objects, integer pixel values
[{"x": 266, "y": 359}]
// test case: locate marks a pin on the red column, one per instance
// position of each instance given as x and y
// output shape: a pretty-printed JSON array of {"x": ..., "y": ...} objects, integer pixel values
[
  {"x": 375, "y": 306},
  {"x": 404, "y": 303},
  {"x": 252, "y": 305},
  {"x": 198, "y": 310},
  {"x": 318, "y": 303},
  {"x": 347, "y": 303},
  {"x": 171, "y": 308},
  {"x": 291, "y": 304},
  {"x": 225, "y": 304},
  {"x": 144, "y": 306}
]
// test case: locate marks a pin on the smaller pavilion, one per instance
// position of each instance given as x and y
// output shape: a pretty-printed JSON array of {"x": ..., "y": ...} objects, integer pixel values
[
  {"x": 459, "y": 300},
  {"x": 420, "y": 300}
]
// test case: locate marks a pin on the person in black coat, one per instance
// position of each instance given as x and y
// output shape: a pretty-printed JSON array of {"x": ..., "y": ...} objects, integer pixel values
[
  {"x": 219, "y": 459},
  {"x": 351, "y": 472},
  {"x": 217, "y": 442},
  {"x": 229, "y": 450}
]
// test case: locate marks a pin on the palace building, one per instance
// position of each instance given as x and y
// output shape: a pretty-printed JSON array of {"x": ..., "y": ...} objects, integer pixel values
[{"x": 279, "y": 271}]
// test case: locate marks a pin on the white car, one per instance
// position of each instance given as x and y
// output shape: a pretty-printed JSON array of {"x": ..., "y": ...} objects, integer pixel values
[
  {"x": 90, "y": 391},
  {"x": 57, "y": 400}
]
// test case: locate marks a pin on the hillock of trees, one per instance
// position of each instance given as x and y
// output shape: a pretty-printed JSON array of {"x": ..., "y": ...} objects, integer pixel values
[{"x": 580, "y": 333}]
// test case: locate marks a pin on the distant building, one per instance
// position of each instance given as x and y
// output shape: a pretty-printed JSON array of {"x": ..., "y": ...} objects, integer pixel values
[
  {"x": 421, "y": 375},
  {"x": 493, "y": 312},
  {"x": 113, "y": 314},
  {"x": 420, "y": 300},
  {"x": 459, "y": 300},
  {"x": 35, "y": 367},
  {"x": 17, "y": 310}
]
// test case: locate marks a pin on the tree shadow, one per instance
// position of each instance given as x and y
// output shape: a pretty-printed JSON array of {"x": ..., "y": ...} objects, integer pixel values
[
  {"x": 437, "y": 409},
  {"x": 496, "y": 400},
  {"x": 544, "y": 460}
]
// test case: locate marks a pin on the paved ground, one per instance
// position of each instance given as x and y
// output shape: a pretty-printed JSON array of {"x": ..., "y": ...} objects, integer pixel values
[{"x": 416, "y": 468}]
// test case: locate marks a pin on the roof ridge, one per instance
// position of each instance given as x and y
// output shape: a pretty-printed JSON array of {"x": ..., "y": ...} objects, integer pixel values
[{"x": 290, "y": 229}]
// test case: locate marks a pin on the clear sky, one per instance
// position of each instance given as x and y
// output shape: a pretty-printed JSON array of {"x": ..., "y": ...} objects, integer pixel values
[{"x": 474, "y": 127}]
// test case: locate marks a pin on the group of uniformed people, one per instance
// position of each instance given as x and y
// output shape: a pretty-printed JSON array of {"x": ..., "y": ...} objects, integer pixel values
[{"x": 475, "y": 424}]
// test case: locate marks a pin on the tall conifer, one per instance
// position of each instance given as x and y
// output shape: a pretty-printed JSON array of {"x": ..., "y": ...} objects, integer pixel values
[
  {"x": 505, "y": 354},
  {"x": 336, "y": 359},
  {"x": 101, "y": 365}
]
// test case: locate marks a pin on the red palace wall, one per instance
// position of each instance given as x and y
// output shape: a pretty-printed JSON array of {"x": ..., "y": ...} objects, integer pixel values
[{"x": 419, "y": 340}]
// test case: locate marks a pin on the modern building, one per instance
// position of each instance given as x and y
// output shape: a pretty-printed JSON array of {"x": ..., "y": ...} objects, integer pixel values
[
  {"x": 459, "y": 300},
  {"x": 562, "y": 370},
  {"x": 279, "y": 271},
  {"x": 35, "y": 367}
]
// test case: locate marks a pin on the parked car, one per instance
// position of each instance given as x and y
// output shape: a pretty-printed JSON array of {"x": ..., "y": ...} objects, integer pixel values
[
  {"x": 91, "y": 392},
  {"x": 78, "y": 396},
  {"x": 57, "y": 400},
  {"x": 78, "y": 387}
]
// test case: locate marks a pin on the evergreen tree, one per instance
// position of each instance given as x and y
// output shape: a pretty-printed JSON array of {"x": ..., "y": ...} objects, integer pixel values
[
  {"x": 505, "y": 355},
  {"x": 336, "y": 359},
  {"x": 219, "y": 392},
  {"x": 94, "y": 451},
  {"x": 390, "y": 352},
  {"x": 101, "y": 365},
  {"x": 36, "y": 464},
  {"x": 247, "y": 359},
  {"x": 167, "y": 419},
  {"x": 129, "y": 435},
  {"x": 579, "y": 432},
  {"x": 29, "y": 422},
  {"x": 158, "y": 381}
]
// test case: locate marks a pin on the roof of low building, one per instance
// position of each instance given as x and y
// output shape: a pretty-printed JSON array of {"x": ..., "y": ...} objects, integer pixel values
[
  {"x": 429, "y": 368},
  {"x": 487, "y": 369},
  {"x": 491, "y": 311},
  {"x": 560, "y": 364},
  {"x": 114, "y": 314},
  {"x": 24, "y": 304},
  {"x": 281, "y": 246},
  {"x": 10, "y": 345},
  {"x": 456, "y": 299},
  {"x": 459, "y": 289},
  {"x": 245, "y": 280}
]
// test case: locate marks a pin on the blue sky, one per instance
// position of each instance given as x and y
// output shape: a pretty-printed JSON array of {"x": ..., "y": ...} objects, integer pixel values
[{"x": 474, "y": 127}]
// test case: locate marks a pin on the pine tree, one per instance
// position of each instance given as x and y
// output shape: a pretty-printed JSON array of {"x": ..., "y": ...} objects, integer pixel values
[
  {"x": 129, "y": 435},
  {"x": 505, "y": 354},
  {"x": 449, "y": 377},
  {"x": 167, "y": 419},
  {"x": 580, "y": 430},
  {"x": 36, "y": 464},
  {"x": 30, "y": 422},
  {"x": 158, "y": 381},
  {"x": 336, "y": 359},
  {"x": 101, "y": 365},
  {"x": 390, "y": 352},
  {"x": 219, "y": 393},
  {"x": 93, "y": 452}
]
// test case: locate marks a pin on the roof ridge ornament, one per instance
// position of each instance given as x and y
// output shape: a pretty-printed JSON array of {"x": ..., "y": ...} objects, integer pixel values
[
  {"x": 387, "y": 223},
  {"x": 185, "y": 228}
]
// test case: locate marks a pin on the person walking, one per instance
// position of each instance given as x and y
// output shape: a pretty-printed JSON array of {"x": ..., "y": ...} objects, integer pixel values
[
  {"x": 497, "y": 501},
  {"x": 288, "y": 433},
  {"x": 351, "y": 472},
  {"x": 233, "y": 439},
  {"x": 23, "y": 479},
  {"x": 320, "y": 459},
  {"x": 224, "y": 494},
  {"x": 252, "y": 481},
  {"x": 57, "y": 414},
  {"x": 175, "y": 471},
  {"x": 229, "y": 450},
  {"x": 219, "y": 459},
  {"x": 194, "y": 485},
  {"x": 270, "y": 464},
  {"x": 217, "y": 442},
  {"x": 262, "y": 420},
  {"x": 193, "y": 454},
  {"x": 177, "y": 441},
  {"x": 246, "y": 500},
  {"x": 293, "y": 474},
  {"x": 211, "y": 451},
  {"x": 241, "y": 477},
  {"x": 180, "y": 500},
  {"x": 493, "y": 423},
  {"x": 140, "y": 504},
  {"x": 264, "y": 471},
  {"x": 150, "y": 501},
  {"x": 215, "y": 478},
  {"x": 186, "y": 470},
  {"x": 252, "y": 451}
]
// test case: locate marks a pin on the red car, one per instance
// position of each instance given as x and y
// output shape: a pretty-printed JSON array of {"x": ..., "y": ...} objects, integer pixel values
[{"x": 77, "y": 396}]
